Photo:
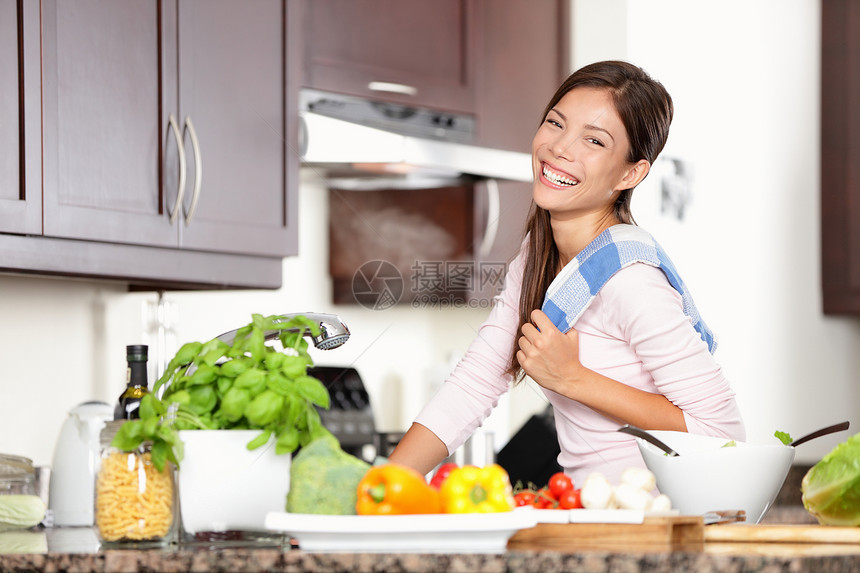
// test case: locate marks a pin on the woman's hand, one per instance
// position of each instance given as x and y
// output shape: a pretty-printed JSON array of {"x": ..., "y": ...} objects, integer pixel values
[
  {"x": 551, "y": 359},
  {"x": 548, "y": 356}
]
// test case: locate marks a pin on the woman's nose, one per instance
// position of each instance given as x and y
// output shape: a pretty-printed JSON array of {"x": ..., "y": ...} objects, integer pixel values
[{"x": 563, "y": 148}]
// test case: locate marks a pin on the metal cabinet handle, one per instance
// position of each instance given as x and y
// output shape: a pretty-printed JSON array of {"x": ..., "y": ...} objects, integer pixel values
[
  {"x": 180, "y": 191},
  {"x": 393, "y": 88},
  {"x": 198, "y": 171},
  {"x": 493, "y": 212}
]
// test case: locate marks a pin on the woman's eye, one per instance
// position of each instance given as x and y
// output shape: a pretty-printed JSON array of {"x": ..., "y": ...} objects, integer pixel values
[
  {"x": 595, "y": 141},
  {"x": 553, "y": 122}
]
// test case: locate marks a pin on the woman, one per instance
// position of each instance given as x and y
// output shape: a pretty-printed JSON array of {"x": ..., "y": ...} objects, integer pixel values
[{"x": 639, "y": 353}]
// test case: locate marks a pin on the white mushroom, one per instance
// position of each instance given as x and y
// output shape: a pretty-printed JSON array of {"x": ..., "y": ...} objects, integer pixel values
[
  {"x": 661, "y": 503},
  {"x": 631, "y": 497},
  {"x": 597, "y": 492},
  {"x": 640, "y": 478}
]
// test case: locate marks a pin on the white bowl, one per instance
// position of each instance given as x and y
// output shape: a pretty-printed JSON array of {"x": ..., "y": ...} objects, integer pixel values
[{"x": 706, "y": 476}]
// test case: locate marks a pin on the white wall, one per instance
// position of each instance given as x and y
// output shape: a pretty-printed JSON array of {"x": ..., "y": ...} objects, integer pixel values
[{"x": 744, "y": 75}]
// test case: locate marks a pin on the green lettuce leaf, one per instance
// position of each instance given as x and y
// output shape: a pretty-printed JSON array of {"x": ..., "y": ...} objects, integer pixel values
[{"x": 831, "y": 488}]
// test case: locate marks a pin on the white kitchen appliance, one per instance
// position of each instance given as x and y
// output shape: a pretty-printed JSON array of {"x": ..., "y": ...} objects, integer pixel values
[{"x": 70, "y": 501}]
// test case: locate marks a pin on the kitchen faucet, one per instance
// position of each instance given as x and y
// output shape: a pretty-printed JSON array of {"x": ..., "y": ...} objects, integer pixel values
[{"x": 333, "y": 332}]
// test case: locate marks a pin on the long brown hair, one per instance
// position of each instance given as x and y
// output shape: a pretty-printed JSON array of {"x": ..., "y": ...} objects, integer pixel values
[{"x": 646, "y": 110}]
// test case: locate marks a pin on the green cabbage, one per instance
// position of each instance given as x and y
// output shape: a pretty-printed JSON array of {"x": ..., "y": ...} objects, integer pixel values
[
  {"x": 20, "y": 511},
  {"x": 831, "y": 488}
]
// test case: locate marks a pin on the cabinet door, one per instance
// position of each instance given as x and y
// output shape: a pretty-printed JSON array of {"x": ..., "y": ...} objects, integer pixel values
[
  {"x": 103, "y": 129},
  {"x": 20, "y": 117},
  {"x": 411, "y": 52},
  {"x": 232, "y": 86},
  {"x": 840, "y": 156}
]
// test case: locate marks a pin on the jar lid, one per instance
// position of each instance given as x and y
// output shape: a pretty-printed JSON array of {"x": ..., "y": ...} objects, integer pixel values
[{"x": 11, "y": 464}]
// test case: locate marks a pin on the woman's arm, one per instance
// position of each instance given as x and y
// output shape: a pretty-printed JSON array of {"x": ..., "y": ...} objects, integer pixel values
[
  {"x": 419, "y": 449},
  {"x": 551, "y": 358}
]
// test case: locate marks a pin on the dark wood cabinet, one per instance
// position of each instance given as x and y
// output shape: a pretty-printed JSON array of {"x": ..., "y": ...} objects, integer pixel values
[
  {"x": 840, "y": 156},
  {"x": 20, "y": 123},
  {"x": 165, "y": 124},
  {"x": 411, "y": 52},
  {"x": 97, "y": 99}
]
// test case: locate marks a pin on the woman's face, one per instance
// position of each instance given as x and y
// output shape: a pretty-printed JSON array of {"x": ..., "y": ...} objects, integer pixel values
[{"x": 579, "y": 155}]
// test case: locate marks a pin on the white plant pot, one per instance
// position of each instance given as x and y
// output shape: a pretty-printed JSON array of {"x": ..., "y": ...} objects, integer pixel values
[{"x": 223, "y": 486}]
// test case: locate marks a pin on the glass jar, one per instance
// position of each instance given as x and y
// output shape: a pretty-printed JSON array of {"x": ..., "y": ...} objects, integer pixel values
[
  {"x": 135, "y": 503},
  {"x": 20, "y": 507}
]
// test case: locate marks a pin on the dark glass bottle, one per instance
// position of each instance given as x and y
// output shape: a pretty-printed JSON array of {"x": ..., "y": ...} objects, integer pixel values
[{"x": 137, "y": 384}]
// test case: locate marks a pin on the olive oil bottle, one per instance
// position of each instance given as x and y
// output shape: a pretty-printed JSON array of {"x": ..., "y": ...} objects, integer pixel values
[{"x": 137, "y": 384}]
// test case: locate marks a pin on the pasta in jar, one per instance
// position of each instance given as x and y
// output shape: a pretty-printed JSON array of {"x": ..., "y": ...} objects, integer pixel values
[{"x": 134, "y": 502}]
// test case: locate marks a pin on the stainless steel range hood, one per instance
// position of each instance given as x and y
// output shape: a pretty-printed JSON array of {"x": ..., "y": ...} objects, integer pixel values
[{"x": 363, "y": 144}]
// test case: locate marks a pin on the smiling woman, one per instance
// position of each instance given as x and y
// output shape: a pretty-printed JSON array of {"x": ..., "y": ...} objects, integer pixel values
[{"x": 593, "y": 309}]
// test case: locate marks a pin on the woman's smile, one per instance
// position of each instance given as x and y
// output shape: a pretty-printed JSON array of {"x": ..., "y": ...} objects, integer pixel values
[{"x": 557, "y": 178}]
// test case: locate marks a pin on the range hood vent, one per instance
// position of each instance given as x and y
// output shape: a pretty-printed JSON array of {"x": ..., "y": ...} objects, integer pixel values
[{"x": 364, "y": 144}]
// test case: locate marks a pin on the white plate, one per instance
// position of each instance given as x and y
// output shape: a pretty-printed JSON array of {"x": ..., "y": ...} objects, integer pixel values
[{"x": 435, "y": 533}]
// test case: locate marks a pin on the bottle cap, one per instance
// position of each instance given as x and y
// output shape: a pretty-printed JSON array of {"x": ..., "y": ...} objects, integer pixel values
[{"x": 136, "y": 352}]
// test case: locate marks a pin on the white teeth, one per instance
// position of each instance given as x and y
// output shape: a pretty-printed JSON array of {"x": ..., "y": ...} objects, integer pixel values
[{"x": 558, "y": 179}]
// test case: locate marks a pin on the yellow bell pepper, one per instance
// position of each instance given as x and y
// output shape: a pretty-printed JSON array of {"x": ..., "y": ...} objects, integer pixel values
[
  {"x": 471, "y": 489},
  {"x": 392, "y": 489}
]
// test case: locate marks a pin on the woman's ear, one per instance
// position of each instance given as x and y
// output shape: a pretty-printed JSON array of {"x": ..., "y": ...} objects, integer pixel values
[{"x": 634, "y": 175}]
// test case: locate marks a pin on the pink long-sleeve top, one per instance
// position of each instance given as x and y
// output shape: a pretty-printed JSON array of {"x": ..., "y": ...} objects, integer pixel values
[{"x": 635, "y": 332}]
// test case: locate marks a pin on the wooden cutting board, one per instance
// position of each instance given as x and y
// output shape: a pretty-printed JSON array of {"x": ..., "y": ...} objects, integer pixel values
[
  {"x": 654, "y": 533},
  {"x": 742, "y": 532}
]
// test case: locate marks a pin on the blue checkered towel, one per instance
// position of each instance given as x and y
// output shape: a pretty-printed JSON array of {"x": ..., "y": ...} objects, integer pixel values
[{"x": 615, "y": 248}]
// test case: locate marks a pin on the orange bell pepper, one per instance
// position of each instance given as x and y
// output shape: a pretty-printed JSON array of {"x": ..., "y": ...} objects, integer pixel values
[
  {"x": 471, "y": 489},
  {"x": 392, "y": 489}
]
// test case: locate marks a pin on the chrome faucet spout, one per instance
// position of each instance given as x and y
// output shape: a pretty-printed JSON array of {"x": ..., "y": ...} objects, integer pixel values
[{"x": 333, "y": 331}]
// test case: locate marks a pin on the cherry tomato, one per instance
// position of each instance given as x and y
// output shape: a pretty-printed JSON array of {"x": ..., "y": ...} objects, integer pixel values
[
  {"x": 441, "y": 474},
  {"x": 559, "y": 484},
  {"x": 524, "y": 497},
  {"x": 544, "y": 499},
  {"x": 571, "y": 499}
]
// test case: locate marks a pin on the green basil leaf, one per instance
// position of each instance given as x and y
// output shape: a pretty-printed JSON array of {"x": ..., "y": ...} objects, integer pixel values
[
  {"x": 234, "y": 402},
  {"x": 181, "y": 397},
  {"x": 205, "y": 374},
  {"x": 260, "y": 440},
  {"x": 288, "y": 440},
  {"x": 313, "y": 390},
  {"x": 150, "y": 428},
  {"x": 159, "y": 455},
  {"x": 150, "y": 406},
  {"x": 293, "y": 366},
  {"x": 203, "y": 399},
  {"x": 233, "y": 368},
  {"x": 257, "y": 345},
  {"x": 185, "y": 355},
  {"x": 129, "y": 436},
  {"x": 274, "y": 360},
  {"x": 279, "y": 383},
  {"x": 264, "y": 408},
  {"x": 223, "y": 384},
  {"x": 213, "y": 351}
]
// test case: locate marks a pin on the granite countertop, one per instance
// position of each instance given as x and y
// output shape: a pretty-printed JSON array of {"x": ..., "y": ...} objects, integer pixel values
[{"x": 77, "y": 549}]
